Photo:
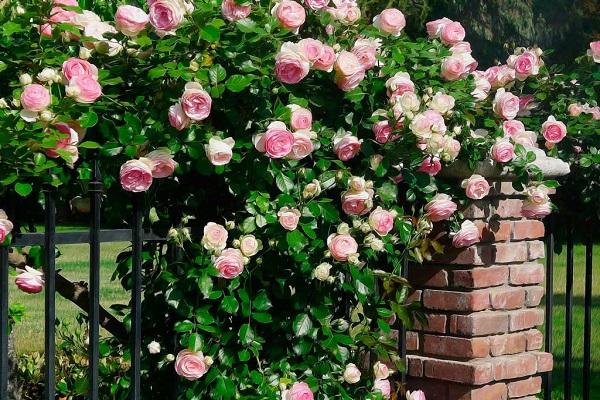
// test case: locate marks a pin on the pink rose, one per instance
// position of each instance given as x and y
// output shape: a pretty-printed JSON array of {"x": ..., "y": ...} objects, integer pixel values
[
  {"x": 575, "y": 110},
  {"x": 249, "y": 245},
  {"x": 291, "y": 64},
  {"x": 346, "y": 147},
  {"x": 526, "y": 104},
  {"x": 525, "y": 138},
  {"x": 416, "y": 395},
  {"x": 30, "y": 281},
  {"x": 380, "y": 370},
  {"x": 215, "y": 237},
  {"x": 512, "y": 128},
  {"x": 35, "y": 98},
  {"x": 6, "y": 226},
  {"x": 450, "y": 149},
  {"x": 365, "y": 51},
  {"x": 84, "y": 89},
  {"x": 233, "y": 11},
  {"x": 434, "y": 28},
  {"x": 290, "y": 14},
  {"x": 440, "y": 208},
  {"x": 59, "y": 15},
  {"x": 299, "y": 391},
  {"x": 326, "y": 60},
  {"x": 506, "y": 104},
  {"x": 75, "y": 67},
  {"x": 349, "y": 72},
  {"x": 196, "y": 102},
  {"x": 230, "y": 263},
  {"x": 45, "y": 30},
  {"x": 442, "y": 103},
  {"x": 383, "y": 386},
  {"x": 177, "y": 117},
  {"x": 166, "y": 15},
  {"x": 130, "y": 20},
  {"x": 190, "y": 365},
  {"x": 502, "y": 151},
  {"x": 525, "y": 64},
  {"x": 219, "y": 151},
  {"x": 382, "y": 131},
  {"x": 427, "y": 123},
  {"x": 70, "y": 137},
  {"x": 482, "y": 86},
  {"x": 467, "y": 235},
  {"x": 341, "y": 246},
  {"x": 461, "y": 47},
  {"x": 391, "y": 20},
  {"x": 381, "y": 221},
  {"x": 289, "y": 218},
  {"x": 399, "y": 84},
  {"x": 316, "y": 4},
  {"x": 535, "y": 210},
  {"x": 136, "y": 176},
  {"x": 357, "y": 202},
  {"x": 277, "y": 142},
  {"x": 476, "y": 187},
  {"x": 164, "y": 165},
  {"x": 500, "y": 76},
  {"x": 458, "y": 66},
  {"x": 554, "y": 131},
  {"x": 312, "y": 49},
  {"x": 301, "y": 118},
  {"x": 595, "y": 51},
  {"x": 431, "y": 166},
  {"x": 68, "y": 3},
  {"x": 452, "y": 33},
  {"x": 302, "y": 146}
]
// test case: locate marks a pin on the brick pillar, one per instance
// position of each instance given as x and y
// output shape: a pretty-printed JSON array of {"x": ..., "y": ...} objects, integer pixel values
[{"x": 483, "y": 306}]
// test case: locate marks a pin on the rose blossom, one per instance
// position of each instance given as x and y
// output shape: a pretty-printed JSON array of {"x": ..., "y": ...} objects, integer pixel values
[
  {"x": 196, "y": 102},
  {"x": 166, "y": 15},
  {"x": 288, "y": 218},
  {"x": 440, "y": 208},
  {"x": 461, "y": 47},
  {"x": 525, "y": 64},
  {"x": 434, "y": 28},
  {"x": 351, "y": 374},
  {"x": 390, "y": 20},
  {"x": 230, "y": 263},
  {"x": 365, "y": 51},
  {"x": 381, "y": 221},
  {"x": 357, "y": 202},
  {"x": 6, "y": 226},
  {"x": 30, "y": 280},
  {"x": 35, "y": 98},
  {"x": 382, "y": 131},
  {"x": 136, "y": 176},
  {"x": 215, "y": 237},
  {"x": 452, "y": 33},
  {"x": 153, "y": 347},
  {"x": 291, "y": 64},
  {"x": 575, "y": 110},
  {"x": 326, "y": 60},
  {"x": 595, "y": 51},
  {"x": 68, "y": 3},
  {"x": 84, "y": 89},
  {"x": 427, "y": 123},
  {"x": 458, "y": 66},
  {"x": 311, "y": 189},
  {"x": 500, "y": 75},
  {"x": 177, "y": 117},
  {"x": 346, "y": 146},
  {"x": 416, "y": 395},
  {"x": 75, "y": 67},
  {"x": 249, "y": 245},
  {"x": 276, "y": 142},
  {"x": 450, "y": 149},
  {"x": 190, "y": 365},
  {"x": 130, "y": 20},
  {"x": 290, "y": 14},
  {"x": 431, "y": 166},
  {"x": 399, "y": 84},
  {"x": 380, "y": 370},
  {"x": 316, "y": 4},
  {"x": 301, "y": 118},
  {"x": 164, "y": 165},
  {"x": 554, "y": 131},
  {"x": 476, "y": 187},
  {"x": 482, "y": 86},
  {"x": 59, "y": 15},
  {"x": 341, "y": 246},
  {"x": 233, "y": 11},
  {"x": 321, "y": 272},
  {"x": 219, "y": 151},
  {"x": 512, "y": 128},
  {"x": 349, "y": 72},
  {"x": 533, "y": 210},
  {"x": 525, "y": 138},
  {"x": 302, "y": 146},
  {"x": 442, "y": 103},
  {"x": 383, "y": 386},
  {"x": 506, "y": 104},
  {"x": 70, "y": 137},
  {"x": 312, "y": 48},
  {"x": 467, "y": 235},
  {"x": 299, "y": 391},
  {"x": 502, "y": 151}
]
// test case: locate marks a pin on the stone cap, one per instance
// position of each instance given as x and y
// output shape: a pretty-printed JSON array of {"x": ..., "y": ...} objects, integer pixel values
[{"x": 550, "y": 166}]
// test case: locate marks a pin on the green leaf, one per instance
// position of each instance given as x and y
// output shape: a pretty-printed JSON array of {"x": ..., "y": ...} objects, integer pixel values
[
  {"x": 23, "y": 189},
  {"x": 156, "y": 72},
  {"x": 89, "y": 145},
  {"x": 195, "y": 342},
  {"x": 246, "y": 334},
  {"x": 210, "y": 33},
  {"x": 283, "y": 182},
  {"x": 88, "y": 119},
  {"x": 302, "y": 325},
  {"x": 237, "y": 83},
  {"x": 263, "y": 318},
  {"x": 261, "y": 301},
  {"x": 184, "y": 326},
  {"x": 229, "y": 304},
  {"x": 296, "y": 240},
  {"x": 216, "y": 73}
]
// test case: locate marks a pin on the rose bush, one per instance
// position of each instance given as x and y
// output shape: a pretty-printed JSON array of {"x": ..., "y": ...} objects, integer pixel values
[{"x": 307, "y": 145}]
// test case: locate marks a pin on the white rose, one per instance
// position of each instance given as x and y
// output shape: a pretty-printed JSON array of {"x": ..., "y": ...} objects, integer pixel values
[
  {"x": 351, "y": 374},
  {"x": 154, "y": 347},
  {"x": 321, "y": 272},
  {"x": 25, "y": 79},
  {"x": 47, "y": 75},
  {"x": 442, "y": 102},
  {"x": 380, "y": 370}
]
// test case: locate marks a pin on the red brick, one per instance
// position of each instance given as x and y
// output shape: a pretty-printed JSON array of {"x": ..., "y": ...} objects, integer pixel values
[
  {"x": 477, "y": 209},
  {"x": 537, "y": 250},
  {"x": 435, "y": 323},
  {"x": 525, "y": 319},
  {"x": 494, "y": 231},
  {"x": 415, "y": 365},
  {"x": 527, "y": 229},
  {"x": 420, "y": 275},
  {"x": 535, "y": 339},
  {"x": 507, "y": 208},
  {"x": 473, "y": 255},
  {"x": 545, "y": 361},
  {"x": 480, "y": 277},
  {"x": 497, "y": 391},
  {"x": 433, "y": 388},
  {"x": 479, "y": 324},
  {"x": 516, "y": 366},
  {"x": 511, "y": 343},
  {"x": 456, "y": 347},
  {"x": 414, "y": 296},
  {"x": 509, "y": 252},
  {"x": 525, "y": 387},
  {"x": 470, "y": 372},
  {"x": 526, "y": 274},
  {"x": 412, "y": 341},
  {"x": 533, "y": 295},
  {"x": 456, "y": 301},
  {"x": 504, "y": 188},
  {"x": 507, "y": 298}
]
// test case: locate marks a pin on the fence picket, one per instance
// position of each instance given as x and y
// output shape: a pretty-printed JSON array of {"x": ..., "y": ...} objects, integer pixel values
[
  {"x": 549, "y": 302},
  {"x": 4, "y": 323},
  {"x": 587, "y": 328},
  {"x": 49, "y": 292},
  {"x": 136, "y": 296},
  {"x": 569, "y": 316}
]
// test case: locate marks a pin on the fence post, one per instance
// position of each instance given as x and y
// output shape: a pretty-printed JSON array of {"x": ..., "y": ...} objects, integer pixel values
[
  {"x": 547, "y": 378},
  {"x": 136, "y": 293},
  {"x": 50, "y": 288},
  {"x": 4, "y": 323}
]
